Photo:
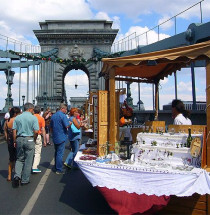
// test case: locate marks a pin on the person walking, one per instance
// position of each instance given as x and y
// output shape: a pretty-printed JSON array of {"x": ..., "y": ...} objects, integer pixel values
[
  {"x": 74, "y": 138},
  {"x": 58, "y": 125},
  {"x": 38, "y": 143},
  {"x": 9, "y": 138},
  {"x": 47, "y": 116},
  {"x": 25, "y": 130}
]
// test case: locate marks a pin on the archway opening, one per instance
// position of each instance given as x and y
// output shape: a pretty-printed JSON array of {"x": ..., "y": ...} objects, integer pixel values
[{"x": 76, "y": 88}]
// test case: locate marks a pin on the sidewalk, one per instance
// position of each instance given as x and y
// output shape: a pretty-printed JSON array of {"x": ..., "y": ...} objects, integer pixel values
[{"x": 70, "y": 193}]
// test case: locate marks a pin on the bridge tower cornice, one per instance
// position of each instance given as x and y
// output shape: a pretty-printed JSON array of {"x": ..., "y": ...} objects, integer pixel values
[{"x": 65, "y": 35}]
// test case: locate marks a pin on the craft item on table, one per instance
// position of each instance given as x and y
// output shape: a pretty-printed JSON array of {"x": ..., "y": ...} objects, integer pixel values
[
  {"x": 117, "y": 148},
  {"x": 88, "y": 157},
  {"x": 195, "y": 147},
  {"x": 115, "y": 157},
  {"x": 103, "y": 160},
  {"x": 117, "y": 162},
  {"x": 82, "y": 147},
  {"x": 89, "y": 130},
  {"x": 89, "y": 151},
  {"x": 91, "y": 143}
]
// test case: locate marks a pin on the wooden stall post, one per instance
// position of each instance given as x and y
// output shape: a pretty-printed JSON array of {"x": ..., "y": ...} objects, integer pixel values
[
  {"x": 112, "y": 110},
  {"x": 208, "y": 110},
  {"x": 208, "y": 123},
  {"x": 103, "y": 123},
  {"x": 156, "y": 100}
]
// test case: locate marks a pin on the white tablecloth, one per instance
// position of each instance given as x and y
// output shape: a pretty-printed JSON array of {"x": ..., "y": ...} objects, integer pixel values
[{"x": 145, "y": 180}]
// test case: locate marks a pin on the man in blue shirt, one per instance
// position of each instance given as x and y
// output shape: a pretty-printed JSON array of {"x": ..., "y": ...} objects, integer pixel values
[
  {"x": 25, "y": 130},
  {"x": 59, "y": 124}
]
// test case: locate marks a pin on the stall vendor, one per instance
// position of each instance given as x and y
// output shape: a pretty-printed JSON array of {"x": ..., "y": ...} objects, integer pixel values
[
  {"x": 179, "y": 114},
  {"x": 126, "y": 113}
]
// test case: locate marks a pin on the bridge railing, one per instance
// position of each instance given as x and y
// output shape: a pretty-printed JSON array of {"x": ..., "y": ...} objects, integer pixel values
[
  {"x": 133, "y": 40},
  {"x": 8, "y": 43}
]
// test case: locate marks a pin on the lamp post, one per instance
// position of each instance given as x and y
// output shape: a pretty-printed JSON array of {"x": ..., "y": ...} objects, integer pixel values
[
  {"x": 129, "y": 99},
  {"x": 23, "y": 98},
  {"x": 9, "y": 101},
  {"x": 45, "y": 98}
]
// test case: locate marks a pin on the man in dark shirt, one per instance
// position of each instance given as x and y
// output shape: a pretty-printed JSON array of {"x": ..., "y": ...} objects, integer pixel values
[{"x": 58, "y": 125}]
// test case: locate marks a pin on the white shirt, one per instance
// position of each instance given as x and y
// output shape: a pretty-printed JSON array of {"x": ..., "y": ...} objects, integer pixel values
[
  {"x": 181, "y": 120},
  {"x": 7, "y": 115}
]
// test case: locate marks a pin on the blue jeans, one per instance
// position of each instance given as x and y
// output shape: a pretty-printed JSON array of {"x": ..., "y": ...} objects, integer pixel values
[
  {"x": 59, "y": 152},
  {"x": 72, "y": 154},
  {"x": 25, "y": 155}
]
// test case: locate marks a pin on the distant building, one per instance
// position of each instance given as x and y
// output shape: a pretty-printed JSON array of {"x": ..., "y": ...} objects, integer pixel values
[
  {"x": 188, "y": 105},
  {"x": 77, "y": 102},
  {"x": 136, "y": 107}
]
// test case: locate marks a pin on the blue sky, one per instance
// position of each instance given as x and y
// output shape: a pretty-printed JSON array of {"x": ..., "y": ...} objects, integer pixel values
[{"x": 19, "y": 18}]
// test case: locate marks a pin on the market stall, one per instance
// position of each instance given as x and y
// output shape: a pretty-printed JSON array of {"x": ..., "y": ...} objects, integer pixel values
[{"x": 145, "y": 181}]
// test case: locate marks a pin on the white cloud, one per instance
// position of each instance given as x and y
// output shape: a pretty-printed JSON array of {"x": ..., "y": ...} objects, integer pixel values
[
  {"x": 116, "y": 22},
  {"x": 164, "y": 81},
  {"x": 103, "y": 16},
  {"x": 18, "y": 19},
  {"x": 135, "y": 8},
  {"x": 167, "y": 25},
  {"x": 136, "y": 35},
  {"x": 186, "y": 87}
]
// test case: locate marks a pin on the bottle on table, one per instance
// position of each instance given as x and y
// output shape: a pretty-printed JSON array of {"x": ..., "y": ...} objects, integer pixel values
[{"x": 189, "y": 138}]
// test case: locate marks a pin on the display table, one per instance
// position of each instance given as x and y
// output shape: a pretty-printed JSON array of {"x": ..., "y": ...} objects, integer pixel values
[
  {"x": 148, "y": 185},
  {"x": 165, "y": 149}
]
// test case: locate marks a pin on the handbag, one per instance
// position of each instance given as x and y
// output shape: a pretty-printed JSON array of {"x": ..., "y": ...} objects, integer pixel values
[{"x": 74, "y": 128}]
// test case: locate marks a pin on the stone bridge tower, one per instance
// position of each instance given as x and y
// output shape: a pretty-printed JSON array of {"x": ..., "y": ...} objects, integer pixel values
[{"x": 75, "y": 40}]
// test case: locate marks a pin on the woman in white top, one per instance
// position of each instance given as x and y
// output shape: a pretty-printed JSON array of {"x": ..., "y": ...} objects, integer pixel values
[{"x": 180, "y": 115}]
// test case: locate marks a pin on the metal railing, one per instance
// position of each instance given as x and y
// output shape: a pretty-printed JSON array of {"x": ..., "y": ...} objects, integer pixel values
[
  {"x": 133, "y": 40},
  {"x": 8, "y": 43}
]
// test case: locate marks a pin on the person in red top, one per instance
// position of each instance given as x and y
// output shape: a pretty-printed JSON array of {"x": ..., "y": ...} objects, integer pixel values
[{"x": 38, "y": 145}]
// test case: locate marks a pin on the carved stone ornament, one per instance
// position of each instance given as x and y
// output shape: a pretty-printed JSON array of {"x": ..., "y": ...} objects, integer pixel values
[{"x": 76, "y": 53}]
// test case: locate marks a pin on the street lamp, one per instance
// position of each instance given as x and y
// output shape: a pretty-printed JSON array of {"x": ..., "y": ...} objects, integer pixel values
[
  {"x": 9, "y": 101},
  {"x": 129, "y": 99},
  {"x": 23, "y": 98},
  {"x": 45, "y": 97}
]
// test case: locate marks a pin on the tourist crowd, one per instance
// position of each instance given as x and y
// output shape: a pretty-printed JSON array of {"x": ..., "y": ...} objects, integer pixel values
[{"x": 26, "y": 132}]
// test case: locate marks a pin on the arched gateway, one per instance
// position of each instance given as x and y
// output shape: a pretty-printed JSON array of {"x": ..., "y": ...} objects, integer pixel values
[{"x": 77, "y": 42}]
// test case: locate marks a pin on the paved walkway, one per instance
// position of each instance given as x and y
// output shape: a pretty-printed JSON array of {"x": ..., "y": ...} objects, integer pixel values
[{"x": 49, "y": 193}]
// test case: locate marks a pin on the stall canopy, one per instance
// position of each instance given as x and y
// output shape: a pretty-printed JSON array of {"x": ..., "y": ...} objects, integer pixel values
[
  {"x": 153, "y": 66},
  {"x": 150, "y": 68}
]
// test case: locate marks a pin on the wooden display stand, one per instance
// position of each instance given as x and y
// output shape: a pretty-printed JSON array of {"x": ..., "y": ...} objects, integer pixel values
[
  {"x": 104, "y": 132},
  {"x": 134, "y": 132},
  {"x": 155, "y": 125},
  {"x": 195, "y": 129}
]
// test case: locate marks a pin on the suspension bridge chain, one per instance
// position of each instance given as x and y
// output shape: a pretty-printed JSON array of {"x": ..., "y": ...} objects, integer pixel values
[{"x": 32, "y": 59}]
